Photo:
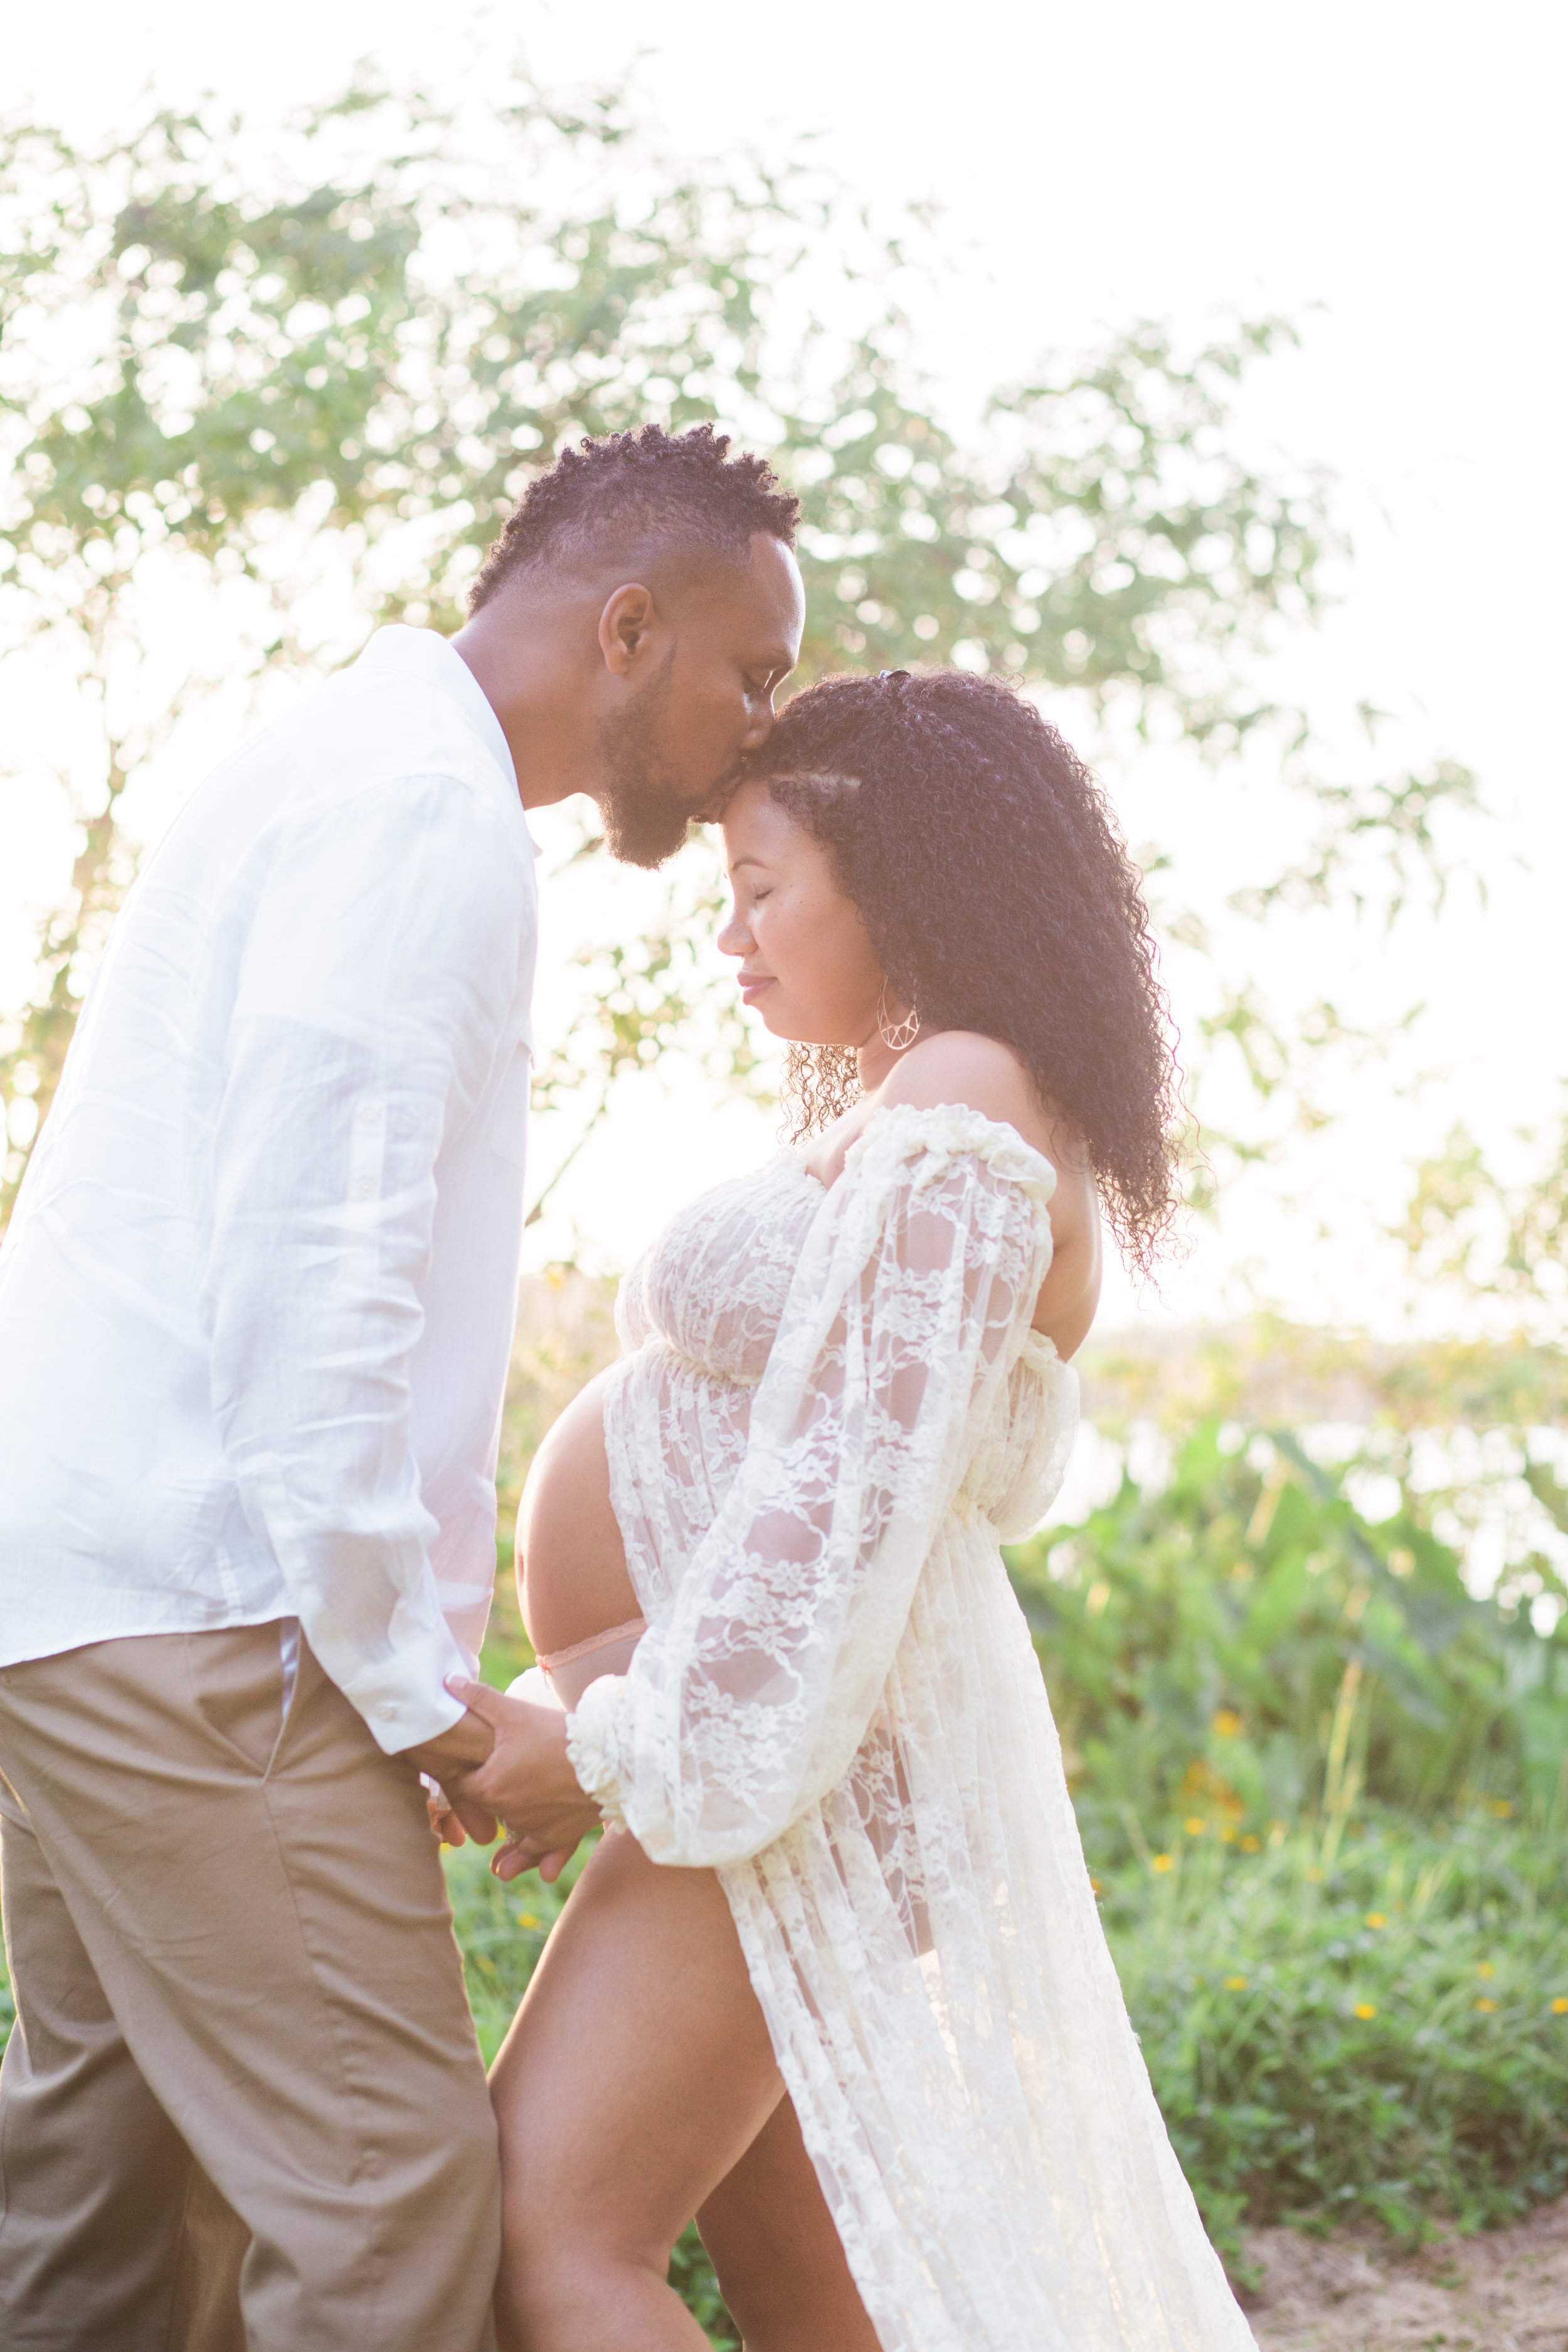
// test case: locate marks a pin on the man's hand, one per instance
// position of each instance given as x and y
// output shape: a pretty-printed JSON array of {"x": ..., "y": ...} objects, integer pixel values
[
  {"x": 446, "y": 1759},
  {"x": 527, "y": 1781}
]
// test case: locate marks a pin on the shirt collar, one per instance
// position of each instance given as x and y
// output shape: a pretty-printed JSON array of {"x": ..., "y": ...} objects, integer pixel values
[{"x": 435, "y": 659}]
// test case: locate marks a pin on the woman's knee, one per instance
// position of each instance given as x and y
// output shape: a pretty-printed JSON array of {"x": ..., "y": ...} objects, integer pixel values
[{"x": 558, "y": 2274}]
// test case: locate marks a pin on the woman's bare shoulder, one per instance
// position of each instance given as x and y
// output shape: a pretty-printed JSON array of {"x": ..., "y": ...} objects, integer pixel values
[{"x": 960, "y": 1065}]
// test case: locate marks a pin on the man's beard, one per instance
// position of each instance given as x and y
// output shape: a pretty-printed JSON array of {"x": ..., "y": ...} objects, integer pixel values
[{"x": 646, "y": 819}]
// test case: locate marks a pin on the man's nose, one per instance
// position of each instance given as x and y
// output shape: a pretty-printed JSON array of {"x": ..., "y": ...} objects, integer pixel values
[{"x": 761, "y": 727}]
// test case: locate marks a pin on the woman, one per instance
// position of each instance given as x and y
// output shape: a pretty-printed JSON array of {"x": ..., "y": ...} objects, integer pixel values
[{"x": 842, "y": 1992}]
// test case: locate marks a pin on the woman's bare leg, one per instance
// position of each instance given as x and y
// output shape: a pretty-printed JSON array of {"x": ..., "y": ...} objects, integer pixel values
[
  {"x": 637, "y": 2072},
  {"x": 773, "y": 2244},
  {"x": 634, "y": 2079}
]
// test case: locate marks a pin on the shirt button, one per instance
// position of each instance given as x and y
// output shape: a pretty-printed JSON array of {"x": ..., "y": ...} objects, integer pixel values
[
  {"x": 363, "y": 1188},
  {"x": 387, "y": 1710},
  {"x": 365, "y": 1115}
]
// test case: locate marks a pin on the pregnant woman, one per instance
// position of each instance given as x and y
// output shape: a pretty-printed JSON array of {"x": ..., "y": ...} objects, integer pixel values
[{"x": 836, "y": 1984}]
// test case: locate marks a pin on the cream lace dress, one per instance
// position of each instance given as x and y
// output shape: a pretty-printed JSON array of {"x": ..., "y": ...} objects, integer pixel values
[{"x": 831, "y": 1411}]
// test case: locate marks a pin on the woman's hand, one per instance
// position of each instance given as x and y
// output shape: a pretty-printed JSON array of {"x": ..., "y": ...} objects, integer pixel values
[
  {"x": 519, "y": 1853},
  {"x": 527, "y": 1781}
]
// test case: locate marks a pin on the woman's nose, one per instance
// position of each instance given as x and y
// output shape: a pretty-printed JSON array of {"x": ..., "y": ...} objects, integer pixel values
[{"x": 735, "y": 939}]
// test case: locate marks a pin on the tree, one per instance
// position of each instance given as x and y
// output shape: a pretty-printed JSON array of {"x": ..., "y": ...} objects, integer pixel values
[
  {"x": 1502, "y": 1242},
  {"x": 254, "y": 364}
]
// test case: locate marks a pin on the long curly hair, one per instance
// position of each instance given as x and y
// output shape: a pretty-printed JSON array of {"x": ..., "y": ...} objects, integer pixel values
[{"x": 992, "y": 878}]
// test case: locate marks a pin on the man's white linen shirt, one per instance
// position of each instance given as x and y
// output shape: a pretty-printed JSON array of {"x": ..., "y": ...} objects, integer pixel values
[{"x": 257, "y": 1294}]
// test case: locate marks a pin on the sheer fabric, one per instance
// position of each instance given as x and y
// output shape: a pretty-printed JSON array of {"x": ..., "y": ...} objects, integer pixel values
[{"x": 832, "y": 1411}]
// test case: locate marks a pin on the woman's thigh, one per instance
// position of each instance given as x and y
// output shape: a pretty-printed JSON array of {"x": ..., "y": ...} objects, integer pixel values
[
  {"x": 636, "y": 2088},
  {"x": 637, "y": 2071}
]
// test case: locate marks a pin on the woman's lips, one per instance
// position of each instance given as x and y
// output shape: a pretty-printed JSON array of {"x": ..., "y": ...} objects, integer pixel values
[{"x": 753, "y": 983}]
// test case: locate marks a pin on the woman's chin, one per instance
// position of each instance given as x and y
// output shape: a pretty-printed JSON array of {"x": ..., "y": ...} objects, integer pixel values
[{"x": 793, "y": 1032}]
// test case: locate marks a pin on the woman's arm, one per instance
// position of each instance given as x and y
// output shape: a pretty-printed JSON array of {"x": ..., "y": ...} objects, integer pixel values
[
  {"x": 958, "y": 1065},
  {"x": 747, "y": 1703}
]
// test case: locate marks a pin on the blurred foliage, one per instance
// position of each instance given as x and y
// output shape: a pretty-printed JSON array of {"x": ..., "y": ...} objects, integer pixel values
[
  {"x": 1266, "y": 1371},
  {"x": 255, "y": 362},
  {"x": 1240, "y": 1646},
  {"x": 1472, "y": 1232},
  {"x": 566, "y": 1333}
]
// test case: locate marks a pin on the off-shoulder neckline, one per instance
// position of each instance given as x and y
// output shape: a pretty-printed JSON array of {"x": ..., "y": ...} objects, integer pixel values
[{"x": 976, "y": 1131}]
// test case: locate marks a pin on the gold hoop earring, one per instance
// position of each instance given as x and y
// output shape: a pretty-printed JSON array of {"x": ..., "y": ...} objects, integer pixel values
[{"x": 903, "y": 1033}]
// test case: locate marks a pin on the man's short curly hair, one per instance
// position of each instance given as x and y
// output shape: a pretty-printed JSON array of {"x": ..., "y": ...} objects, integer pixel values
[
  {"x": 990, "y": 873},
  {"x": 684, "y": 488}
]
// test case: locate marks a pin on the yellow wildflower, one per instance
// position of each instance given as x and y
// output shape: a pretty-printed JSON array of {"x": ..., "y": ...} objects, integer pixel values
[
  {"x": 1249, "y": 1845},
  {"x": 1560, "y": 2007},
  {"x": 1227, "y": 1724},
  {"x": 1235, "y": 1984},
  {"x": 1366, "y": 2008},
  {"x": 1193, "y": 1826},
  {"x": 1485, "y": 1969},
  {"x": 1485, "y": 2006},
  {"x": 1314, "y": 1874},
  {"x": 1163, "y": 1862},
  {"x": 1375, "y": 1920}
]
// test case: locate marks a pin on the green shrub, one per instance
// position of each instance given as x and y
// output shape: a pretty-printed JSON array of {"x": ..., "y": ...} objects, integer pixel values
[
  {"x": 1383, "y": 2035},
  {"x": 1230, "y": 1646}
]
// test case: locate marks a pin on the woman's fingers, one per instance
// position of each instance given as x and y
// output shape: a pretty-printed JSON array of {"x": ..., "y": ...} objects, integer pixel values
[{"x": 522, "y": 1854}]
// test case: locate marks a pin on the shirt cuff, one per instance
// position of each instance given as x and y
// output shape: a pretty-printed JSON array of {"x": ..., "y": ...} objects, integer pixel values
[
  {"x": 591, "y": 1744},
  {"x": 401, "y": 1697}
]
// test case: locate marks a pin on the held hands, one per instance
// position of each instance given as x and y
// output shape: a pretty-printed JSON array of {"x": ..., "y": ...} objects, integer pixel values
[
  {"x": 524, "y": 1779},
  {"x": 454, "y": 1816}
]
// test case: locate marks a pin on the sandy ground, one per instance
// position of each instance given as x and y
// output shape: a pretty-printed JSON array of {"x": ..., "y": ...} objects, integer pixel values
[{"x": 1504, "y": 2291}]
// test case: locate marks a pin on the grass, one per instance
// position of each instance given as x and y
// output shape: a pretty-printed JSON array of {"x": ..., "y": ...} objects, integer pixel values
[
  {"x": 1366, "y": 2019},
  {"x": 1374, "y": 2026}
]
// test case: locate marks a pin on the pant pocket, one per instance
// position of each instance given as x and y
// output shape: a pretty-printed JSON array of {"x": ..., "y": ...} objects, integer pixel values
[{"x": 237, "y": 1686}]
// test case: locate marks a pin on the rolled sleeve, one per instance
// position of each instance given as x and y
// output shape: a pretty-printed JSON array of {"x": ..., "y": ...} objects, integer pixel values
[{"x": 373, "y": 1001}]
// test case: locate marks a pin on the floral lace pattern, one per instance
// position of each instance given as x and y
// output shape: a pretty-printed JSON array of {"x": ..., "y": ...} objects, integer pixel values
[{"x": 832, "y": 1410}]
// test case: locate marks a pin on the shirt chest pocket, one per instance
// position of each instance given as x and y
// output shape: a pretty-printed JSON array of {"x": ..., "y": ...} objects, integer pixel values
[{"x": 508, "y": 1119}]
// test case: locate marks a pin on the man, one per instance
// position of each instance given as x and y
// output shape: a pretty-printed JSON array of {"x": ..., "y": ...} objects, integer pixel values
[{"x": 256, "y": 1306}]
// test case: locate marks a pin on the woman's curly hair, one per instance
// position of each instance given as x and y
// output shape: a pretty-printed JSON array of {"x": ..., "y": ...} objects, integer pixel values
[{"x": 990, "y": 875}]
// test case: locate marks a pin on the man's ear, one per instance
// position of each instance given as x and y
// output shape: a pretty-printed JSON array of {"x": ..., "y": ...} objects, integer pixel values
[{"x": 624, "y": 626}]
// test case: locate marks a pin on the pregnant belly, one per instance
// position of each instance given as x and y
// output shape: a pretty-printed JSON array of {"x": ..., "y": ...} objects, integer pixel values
[{"x": 571, "y": 1580}]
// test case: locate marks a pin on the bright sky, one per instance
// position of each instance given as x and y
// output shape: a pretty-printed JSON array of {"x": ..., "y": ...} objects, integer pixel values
[{"x": 1393, "y": 164}]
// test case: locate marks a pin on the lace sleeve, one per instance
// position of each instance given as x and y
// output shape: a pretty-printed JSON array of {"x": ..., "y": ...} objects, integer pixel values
[{"x": 747, "y": 1703}]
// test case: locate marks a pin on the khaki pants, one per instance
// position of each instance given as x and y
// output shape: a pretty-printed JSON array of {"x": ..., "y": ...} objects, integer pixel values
[{"x": 242, "y": 2105}]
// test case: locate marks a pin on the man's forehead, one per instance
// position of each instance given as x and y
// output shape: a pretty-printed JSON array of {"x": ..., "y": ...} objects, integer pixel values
[{"x": 772, "y": 594}]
